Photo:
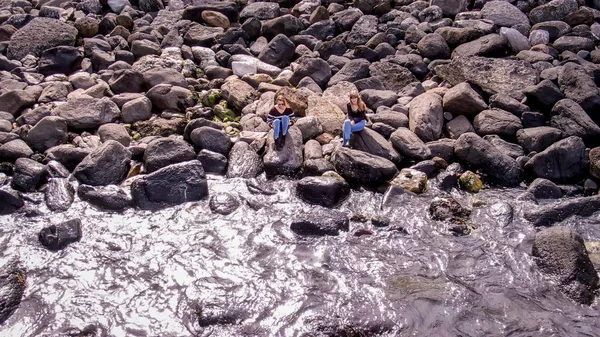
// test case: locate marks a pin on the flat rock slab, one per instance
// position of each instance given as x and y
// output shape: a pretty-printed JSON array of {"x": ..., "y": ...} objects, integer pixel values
[
  {"x": 321, "y": 224},
  {"x": 550, "y": 214}
]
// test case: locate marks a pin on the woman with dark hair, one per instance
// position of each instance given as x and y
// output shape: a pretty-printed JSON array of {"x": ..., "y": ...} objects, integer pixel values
[
  {"x": 357, "y": 116},
  {"x": 281, "y": 117}
]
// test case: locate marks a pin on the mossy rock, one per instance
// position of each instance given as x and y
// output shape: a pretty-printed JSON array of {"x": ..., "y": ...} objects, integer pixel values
[
  {"x": 411, "y": 180},
  {"x": 211, "y": 98},
  {"x": 224, "y": 114},
  {"x": 470, "y": 182},
  {"x": 593, "y": 249}
]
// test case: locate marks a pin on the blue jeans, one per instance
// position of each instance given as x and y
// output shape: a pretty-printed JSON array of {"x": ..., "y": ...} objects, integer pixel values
[
  {"x": 280, "y": 126},
  {"x": 348, "y": 129}
]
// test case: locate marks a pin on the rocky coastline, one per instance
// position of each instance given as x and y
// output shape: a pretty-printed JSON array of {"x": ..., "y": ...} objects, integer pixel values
[{"x": 130, "y": 104}]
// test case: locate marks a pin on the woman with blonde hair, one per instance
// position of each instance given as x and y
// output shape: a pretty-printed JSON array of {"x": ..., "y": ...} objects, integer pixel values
[
  {"x": 357, "y": 116},
  {"x": 280, "y": 117}
]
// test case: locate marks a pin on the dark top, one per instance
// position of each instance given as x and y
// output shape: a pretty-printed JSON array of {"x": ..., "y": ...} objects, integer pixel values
[
  {"x": 356, "y": 115},
  {"x": 275, "y": 114}
]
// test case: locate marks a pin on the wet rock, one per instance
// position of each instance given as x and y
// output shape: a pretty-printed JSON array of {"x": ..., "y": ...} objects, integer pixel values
[
  {"x": 463, "y": 100},
  {"x": 492, "y": 75},
  {"x": 106, "y": 165},
  {"x": 409, "y": 145},
  {"x": 243, "y": 162},
  {"x": 12, "y": 286},
  {"x": 110, "y": 197},
  {"x": 67, "y": 154},
  {"x": 83, "y": 113},
  {"x": 287, "y": 158},
  {"x": 57, "y": 237},
  {"x": 426, "y": 116},
  {"x": 361, "y": 167},
  {"x": 10, "y": 200},
  {"x": 539, "y": 138},
  {"x": 448, "y": 209},
  {"x": 166, "y": 151},
  {"x": 470, "y": 182},
  {"x": 561, "y": 254},
  {"x": 477, "y": 152},
  {"x": 324, "y": 191},
  {"x": 448, "y": 179},
  {"x": 14, "y": 149},
  {"x": 564, "y": 160},
  {"x": 223, "y": 203},
  {"x": 371, "y": 142},
  {"x": 28, "y": 175},
  {"x": 211, "y": 139},
  {"x": 171, "y": 185},
  {"x": 213, "y": 162},
  {"x": 544, "y": 189},
  {"x": 59, "y": 194},
  {"x": 320, "y": 223},
  {"x": 38, "y": 35},
  {"x": 411, "y": 180},
  {"x": 550, "y": 214},
  {"x": 510, "y": 149}
]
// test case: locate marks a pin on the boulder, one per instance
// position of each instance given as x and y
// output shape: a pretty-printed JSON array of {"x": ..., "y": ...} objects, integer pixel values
[
  {"x": 372, "y": 142},
  {"x": 238, "y": 94},
  {"x": 287, "y": 25},
  {"x": 320, "y": 223},
  {"x": 151, "y": 5},
  {"x": 503, "y": 14},
  {"x": 329, "y": 115},
  {"x": 411, "y": 180},
  {"x": 361, "y": 167},
  {"x": 223, "y": 203},
  {"x": 594, "y": 157},
  {"x": 287, "y": 159},
  {"x": 580, "y": 87},
  {"x": 554, "y": 10},
  {"x": 323, "y": 191},
  {"x": 110, "y": 197},
  {"x": 451, "y": 7},
  {"x": 470, "y": 182},
  {"x": 211, "y": 139},
  {"x": 488, "y": 45},
  {"x": 57, "y": 237},
  {"x": 47, "y": 133},
  {"x": 59, "y": 194},
  {"x": 154, "y": 77},
  {"x": 60, "y": 60},
  {"x": 426, "y": 116},
  {"x": 573, "y": 44},
  {"x": 213, "y": 162},
  {"x": 539, "y": 138},
  {"x": 138, "y": 109},
  {"x": 260, "y": 10},
  {"x": 315, "y": 68},
  {"x": 10, "y": 200},
  {"x": 163, "y": 152},
  {"x": 509, "y": 149},
  {"x": 457, "y": 126},
  {"x": 28, "y": 175},
  {"x": 543, "y": 95},
  {"x": 515, "y": 39},
  {"x": 571, "y": 119},
  {"x": 409, "y": 145},
  {"x": 352, "y": 71},
  {"x": 38, "y": 35},
  {"x": 542, "y": 188},
  {"x": 169, "y": 97},
  {"x": 463, "y": 100},
  {"x": 279, "y": 52},
  {"x": 362, "y": 31},
  {"x": 564, "y": 160},
  {"x": 13, "y": 101},
  {"x": 492, "y": 75},
  {"x": 497, "y": 122},
  {"x": 14, "y": 149},
  {"x": 309, "y": 126},
  {"x": 171, "y": 185},
  {"x": 108, "y": 164},
  {"x": 67, "y": 154},
  {"x": 448, "y": 209},
  {"x": 477, "y": 152},
  {"x": 254, "y": 123},
  {"x": 243, "y": 162},
  {"x": 83, "y": 113},
  {"x": 393, "y": 76},
  {"x": 377, "y": 98},
  {"x": 560, "y": 253},
  {"x": 433, "y": 46}
]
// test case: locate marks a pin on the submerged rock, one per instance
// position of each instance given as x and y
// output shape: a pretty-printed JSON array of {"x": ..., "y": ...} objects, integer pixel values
[
  {"x": 12, "y": 286},
  {"x": 470, "y": 182},
  {"x": 223, "y": 203},
  {"x": 550, "y": 214},
  {"x": 59, "y": 194},
  {"x": 10, "y": 200},
  {"x": 448, "y": 209},
  {"x": 110, "y": 197},
  {"x": 57, "y": 237},
  {"x": 412, "y": 180},
  {"x": 561, "y": 254},
  {"x": 320, "y": 223},
  {"x": 324, "y": 191}
]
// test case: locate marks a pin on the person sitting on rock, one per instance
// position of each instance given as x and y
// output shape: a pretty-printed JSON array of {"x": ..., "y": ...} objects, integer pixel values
[
  {"x": 357, "y": 116},
  {"x": 281, "y": 117}
]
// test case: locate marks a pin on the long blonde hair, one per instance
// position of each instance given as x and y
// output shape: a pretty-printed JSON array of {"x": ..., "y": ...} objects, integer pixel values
[
  {"x": 361, "y": 105},
  {"x": 285, "y": 102}
]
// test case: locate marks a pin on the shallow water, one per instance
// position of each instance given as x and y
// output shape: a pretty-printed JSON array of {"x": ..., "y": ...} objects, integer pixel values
[{"x": 246, "y": 274}]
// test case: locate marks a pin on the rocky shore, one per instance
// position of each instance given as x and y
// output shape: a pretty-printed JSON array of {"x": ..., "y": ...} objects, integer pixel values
[{"x": 132, "y": 103}]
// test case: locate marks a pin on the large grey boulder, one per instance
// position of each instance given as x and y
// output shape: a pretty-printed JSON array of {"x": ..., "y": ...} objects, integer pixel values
[
  {"x": 426, "y": 116},
  {"x": 211, "y": 139},
  {"x": 457, "y": 126},
  {"x": 260, "y": 10},
  {"x": 463, "y": 100},
  {"x": 477, "y": 152},
  {"x": 279, "y": 52},
  {"x": 451, "y": 7},
  {"x": 497, "y": 122},
  {"x": 572, "y": 120},
  {"x": 510, "y": 149},
  {"x": 110, "y": 197},
  {"x": 554, "y": 10},
  {"x": 433, "y": 46},
  {"x": 561, "y": 254},
  {"x": 329, "y": 114},
  {"x": 13, "y": 101},
  {"x": 393, "y": 76},
  {"x": 488, "y": 45},
  {"x": 492, "y": 75},
  {"x": 28, "y": 175},
  {"x": 323, "y": 191},
  {"x": 539, "y": 138},
  {"x": 313, "y": 67},
  {"x": 564, "y": 160},
  {"x": 372, "y": 142},
  {"x": 171, "y": 185},
  {"x": 287, "y": 159},
  {"x": 352, "y": 71},
  {"x": 310, "y": 127},
  {"x": 409, "y": 145},
  {"x": 84, "y": 113},
  {"x": 170, "y": 97},
  {"x": 238, "y": 94},
  {"x": 47, "y": 133},
  {"x": 542, "y": 188},
  {"x": 106, "y": 165},
  {"x": 243, "y": 162},
  {"x": 38, "y": 35},
  {"x": 361, "y": 167},
  {"x": 362, "y": 31},
  {"x": 14, "y": 149},
  {"x": 163, "y": 152},
  {"x": 577, "y": 85},
  {"x": 504, "y": 14}
]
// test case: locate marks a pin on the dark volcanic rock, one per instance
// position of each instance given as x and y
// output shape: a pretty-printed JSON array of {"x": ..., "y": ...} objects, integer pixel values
[
  {"x": 57, "y": 237},
  {"x": 213, "y": 162},
  {"x": 572, "y": 120},
  {"x": 166, "y": 151},
  {"x": 10, "y": 200},
  {"x": 539, "y": 138},
  {"x": 497, "y": 122},
  {"x": 577, "y": 85},
  {"x": 59, "y": 194},
  {"x": 211, "y": 139},
  {"x": 49, "y": 132},
  {"x": 110, "y": 197},
  {"x": 28, "y": 175},
  {"x": 542, "y": 188},
  {"x": 286, "y": 160},
  {"x": 565, "y": 160},
  {"x": 409, "y": 144},
  {"x": 38, "y": 35},
  {"x": 371, "y": 142},
  {"x": 550, "y": 214},
  {"x": 243, "y": 162},
  {"x": 320, "y": 223},
  {"x": 171, "y": 185},
  {"x": 560, "y": 253},
  {"x": 60, "y": 60},
  {"x": 324, "y": 191},
  {"x": 361, "y": 167},
  {"x": 12, "y": 286},
  {"x": 83, "y": 113},
  {"x": 106, "y": 165}
]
